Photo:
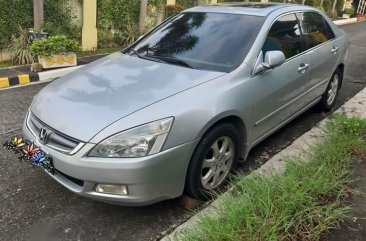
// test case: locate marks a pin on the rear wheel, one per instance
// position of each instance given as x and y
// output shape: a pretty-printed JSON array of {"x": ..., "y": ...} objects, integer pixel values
[
  {"x": 330, "y": 95},
  {"x": 212, "y": 161}
]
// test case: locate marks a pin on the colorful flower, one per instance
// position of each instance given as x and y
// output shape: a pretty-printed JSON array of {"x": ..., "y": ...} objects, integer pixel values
[
  {"x": 29, "y": 151},
  {"x": 17, "y": 142},
  {"x": 37, "y": 159}
]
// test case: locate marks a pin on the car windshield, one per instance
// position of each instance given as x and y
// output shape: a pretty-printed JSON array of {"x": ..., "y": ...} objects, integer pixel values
[{"x": 208, "y": 41}]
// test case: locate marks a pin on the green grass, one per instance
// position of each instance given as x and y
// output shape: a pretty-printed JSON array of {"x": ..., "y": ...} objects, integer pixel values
[
  {"x": 6, "y": 64},
  {"x": 303, "y": 203}
]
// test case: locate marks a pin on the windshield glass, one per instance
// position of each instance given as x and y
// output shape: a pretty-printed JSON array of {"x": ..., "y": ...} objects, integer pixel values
[{"x": 210, "y": 41}]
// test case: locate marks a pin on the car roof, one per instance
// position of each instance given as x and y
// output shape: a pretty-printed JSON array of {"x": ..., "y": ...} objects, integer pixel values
[{"x": 256, "y": 9}]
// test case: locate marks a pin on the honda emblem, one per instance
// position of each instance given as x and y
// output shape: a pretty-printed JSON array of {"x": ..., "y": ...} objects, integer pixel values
[{"x": 43, "y": 135}]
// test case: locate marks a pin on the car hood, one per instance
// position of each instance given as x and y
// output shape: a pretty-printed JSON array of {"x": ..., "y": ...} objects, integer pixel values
[{"x": 84, "y": 102}]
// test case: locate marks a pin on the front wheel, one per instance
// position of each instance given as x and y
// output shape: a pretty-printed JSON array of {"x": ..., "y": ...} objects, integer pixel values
[
  {"x": 331, "y": 93},
  {"x": 212, "y": 161}
]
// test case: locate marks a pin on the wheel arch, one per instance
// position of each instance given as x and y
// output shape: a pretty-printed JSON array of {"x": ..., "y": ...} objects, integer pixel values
[
  {"x": 238, "y": 123},
  {"x": 341, "y": 68}
]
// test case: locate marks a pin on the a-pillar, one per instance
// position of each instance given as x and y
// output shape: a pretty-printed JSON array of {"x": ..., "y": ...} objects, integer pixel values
[{"x": 89, "y": 32}]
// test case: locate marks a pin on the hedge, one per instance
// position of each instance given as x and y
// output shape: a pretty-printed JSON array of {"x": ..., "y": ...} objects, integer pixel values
[
  {"x": 57, "y": 14},
  {"x": 118, "y": 19}
]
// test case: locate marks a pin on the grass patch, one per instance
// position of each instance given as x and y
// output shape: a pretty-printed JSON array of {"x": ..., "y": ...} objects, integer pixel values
[
  {"x": 6, "y": 64},
  {"x": 302, "y": 203}
]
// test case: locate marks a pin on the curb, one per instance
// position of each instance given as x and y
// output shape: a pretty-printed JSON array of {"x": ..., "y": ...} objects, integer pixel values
[
  {"x": 22, "y": 79},
  {"x": 6, "y": 82},
  {"x": 345, "y": 21},
  {"x": 355, "y": 107}
]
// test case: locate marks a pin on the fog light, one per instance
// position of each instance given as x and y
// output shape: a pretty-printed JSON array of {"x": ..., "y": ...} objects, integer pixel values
[{"x": 111, "y": 189}]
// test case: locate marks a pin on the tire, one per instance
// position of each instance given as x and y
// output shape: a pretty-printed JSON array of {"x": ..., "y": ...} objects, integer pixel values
[
  {"x": 330, "y": 95},
  {"x": 208, "y": 168}
]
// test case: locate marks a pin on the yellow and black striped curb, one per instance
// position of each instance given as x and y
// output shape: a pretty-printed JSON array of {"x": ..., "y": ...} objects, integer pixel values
[{"x": 22, "y": 79}]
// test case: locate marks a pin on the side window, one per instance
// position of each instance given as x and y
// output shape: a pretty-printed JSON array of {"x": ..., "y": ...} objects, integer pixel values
[
  {"x": 330, "y": 32},
  {"x": 314, "y": 29},
  {"x": 285, "y": 36}
]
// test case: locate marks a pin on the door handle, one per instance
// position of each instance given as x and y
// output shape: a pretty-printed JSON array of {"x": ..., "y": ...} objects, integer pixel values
[
  {"x": 303, "y": 68},
  {"x": 334, "y": 50}
]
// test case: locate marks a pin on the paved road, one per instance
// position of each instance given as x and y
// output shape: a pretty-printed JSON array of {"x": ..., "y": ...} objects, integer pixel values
[{"x": 31, "y": 203}]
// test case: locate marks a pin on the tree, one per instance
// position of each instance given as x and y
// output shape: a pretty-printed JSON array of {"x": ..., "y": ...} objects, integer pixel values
[
  {"x": 38, "y": 14},
  {"x": 143, "y": 11},
  {"x": 199, "y": 2},
  {"x": 333, "y": 13},
  {"x": 303, "y": 2},
  {"x": 321, "y": 3}
]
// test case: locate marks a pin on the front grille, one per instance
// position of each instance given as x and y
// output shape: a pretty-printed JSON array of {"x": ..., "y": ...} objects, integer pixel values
[{"x": 52, "y": 138}]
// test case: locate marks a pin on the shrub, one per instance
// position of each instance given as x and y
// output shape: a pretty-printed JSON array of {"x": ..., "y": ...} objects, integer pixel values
[
  {"x": 60, "y": 19},
  {"x": 12, "y": 15},
  {"x": 58, "y": 15},
  {"x": 19, "y": 48},
  {"x": 118, "y": 20},
  {"x": 186, "y": 3},
  {"x": 173, "y": 9},
  {"x": 350, "y": 11},
  {"x": 130, "y": 35},
  {"x": 54, "y": 45}
]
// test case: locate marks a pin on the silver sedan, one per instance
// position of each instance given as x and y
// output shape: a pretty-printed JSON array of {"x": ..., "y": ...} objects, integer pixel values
[{"x": 175, "y": 111}]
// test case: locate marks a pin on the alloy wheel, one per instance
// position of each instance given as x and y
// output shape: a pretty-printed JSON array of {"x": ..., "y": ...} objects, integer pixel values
[
  {"x": 217, "y": 162},
  {"x": 333, "y": 90}
]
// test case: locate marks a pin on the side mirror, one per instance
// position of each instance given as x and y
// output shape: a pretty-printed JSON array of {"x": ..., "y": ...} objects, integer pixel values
[{"x": 272, "y": 59}]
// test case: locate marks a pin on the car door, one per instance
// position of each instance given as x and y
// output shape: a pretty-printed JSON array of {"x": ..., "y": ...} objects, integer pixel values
[
  {"x": 323, "y": 51},
  {"x": 278, "y": 91}
]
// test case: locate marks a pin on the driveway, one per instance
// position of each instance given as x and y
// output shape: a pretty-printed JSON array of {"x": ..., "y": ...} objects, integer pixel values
[{"x": 32, "y": 203}]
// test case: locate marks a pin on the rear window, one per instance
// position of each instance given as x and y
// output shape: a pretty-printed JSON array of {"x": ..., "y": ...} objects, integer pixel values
[
  {"x": 314, "y": 28},
  {"x": 211, "y": 41}
]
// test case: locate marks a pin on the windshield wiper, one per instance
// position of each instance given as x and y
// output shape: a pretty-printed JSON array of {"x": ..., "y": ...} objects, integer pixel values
[
  {"x": 173, "y": 61},
  {"x": 163, "y": 59},
  {"x": 147, "y": 57}
]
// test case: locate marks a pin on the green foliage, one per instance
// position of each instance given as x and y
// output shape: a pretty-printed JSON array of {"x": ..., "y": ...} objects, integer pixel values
[
  {"x": 19, "y": 48},
  {"x": 116, "y": 14},
  {"x": 186, "y": 3},
  {"x": 107, "y": 38},
  {"x": 302, "y": 203},
  {"x": 173, "y": 9},
  {"x": 350, "y": 11},
  {"x": 118, "y": 21},
  {"x": 339, "y": 7},
  {"x": 58, "y": 18},
  {"x": 129, "y": 35},
  {"x": 54, "y": 45},
  {"x": 14, "y": 13}
]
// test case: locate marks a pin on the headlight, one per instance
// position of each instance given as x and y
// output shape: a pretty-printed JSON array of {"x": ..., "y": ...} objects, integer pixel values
[{"x": 140, "y": 141}]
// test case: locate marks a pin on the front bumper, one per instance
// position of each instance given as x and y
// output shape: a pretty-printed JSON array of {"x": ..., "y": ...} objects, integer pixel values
[{"x": 148, "y": 179}]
